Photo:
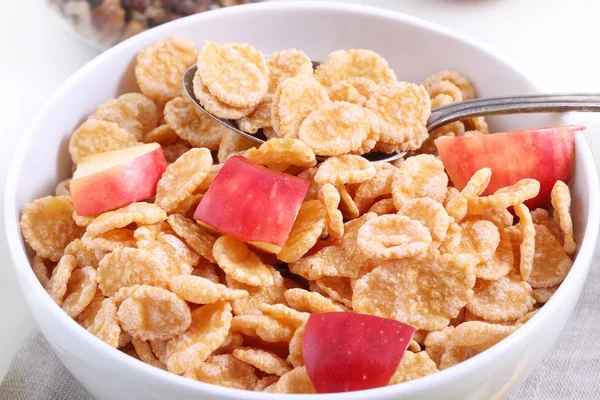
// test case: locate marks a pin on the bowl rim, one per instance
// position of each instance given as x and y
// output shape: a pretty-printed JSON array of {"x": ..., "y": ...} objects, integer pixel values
[{"x": 28, "y": 281}]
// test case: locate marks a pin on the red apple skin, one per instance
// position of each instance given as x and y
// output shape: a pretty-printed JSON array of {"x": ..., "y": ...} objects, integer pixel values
[
  {"x": 252, "y": 203},
  {"x": 545, "y": 154},
  {"x": 120, "y": 185},
  {"x": 346, "y": 351}
]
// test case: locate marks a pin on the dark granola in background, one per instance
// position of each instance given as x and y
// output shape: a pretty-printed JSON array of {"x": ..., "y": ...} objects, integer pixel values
[{"x": 111, "y": 21}]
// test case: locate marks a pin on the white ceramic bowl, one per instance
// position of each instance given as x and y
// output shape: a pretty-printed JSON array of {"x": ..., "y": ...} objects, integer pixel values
[{"x": 414, "y": 49}]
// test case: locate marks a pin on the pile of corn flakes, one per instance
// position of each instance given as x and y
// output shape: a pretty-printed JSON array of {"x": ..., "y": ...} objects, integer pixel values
[{"x": 389, "y": 239}]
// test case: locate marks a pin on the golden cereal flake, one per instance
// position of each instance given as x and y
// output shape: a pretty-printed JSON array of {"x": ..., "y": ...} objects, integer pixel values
[
  {"x": 209, "y": 327},
  {"x": 419, "y": 176},
  {"x": 561, "y": 201},
  {"x": 507, "y": 298},
  {"x": 152, "y": 313},
  {"x": 182, "y": 178},
  {"x": 48, "y": 227},
  {"x": 296, "y": 97},
  {"x": 98, "y": 136},
  {"x": 344, "y": 65},
  {"x": 425, "y": 292},
  {"x": 160, "y": 66},
  {"x": 192, "y": 125},
  {"x": 139, "y": 213}
]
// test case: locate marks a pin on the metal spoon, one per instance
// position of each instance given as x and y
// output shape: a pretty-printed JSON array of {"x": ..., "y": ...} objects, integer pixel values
[{"x": 537, "y": 103}]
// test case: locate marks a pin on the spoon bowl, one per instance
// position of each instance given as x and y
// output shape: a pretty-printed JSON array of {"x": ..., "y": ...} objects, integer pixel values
[
  {"x": 259, "y": 137},
  {"x": 518, "y": 104}
]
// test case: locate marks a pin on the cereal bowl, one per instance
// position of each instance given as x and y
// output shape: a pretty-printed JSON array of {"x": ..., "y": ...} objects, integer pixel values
[{"x": 414, "y": 49}]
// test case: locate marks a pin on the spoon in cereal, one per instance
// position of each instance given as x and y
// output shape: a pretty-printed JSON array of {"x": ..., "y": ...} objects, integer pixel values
[{"x": 537, "y": 103}]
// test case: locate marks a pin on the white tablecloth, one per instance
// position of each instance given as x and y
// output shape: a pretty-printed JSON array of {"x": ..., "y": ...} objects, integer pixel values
[{"x": 554, "y": 40}]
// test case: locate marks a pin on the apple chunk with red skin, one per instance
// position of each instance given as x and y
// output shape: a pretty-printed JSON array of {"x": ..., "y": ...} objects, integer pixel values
[
  {"x": 114, "y": 179},
  {"x": 545, "y": 154},
  {"x": 346, "y": 351},
  {"x": 252, "y": 203}
]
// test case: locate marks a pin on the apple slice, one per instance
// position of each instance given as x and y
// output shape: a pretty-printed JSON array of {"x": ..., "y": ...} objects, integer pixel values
[
  {"x": 346, "y": 351},
  {"x": 545, "y": 154},
  {"x": 252, "y": 203},
  {"x": 114, "y": 179}
]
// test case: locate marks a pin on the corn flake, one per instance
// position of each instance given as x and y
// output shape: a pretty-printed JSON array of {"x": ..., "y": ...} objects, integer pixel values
[
  {"x": 436, "y": 343},
  {"x": 330, "y": 198},
  {"x": 479, "y": 239},
  {"x": 48, "y": 227},
  {"x": 413, "y": 366},
  {"x": 501, "y": 262},
  {"x": 458, "y": 206},
  {"x": 456, "y": 78},
  {"x": 506, "y": 197},
  {"x": 259, "y": 118},
  {"x": 337, "y": 289},
  {"x": 303, "y": 300},
  {"x": 124, "y": 114},
  {"x": 550, "y": 261},
  {"x": 182, "y": 178},
  {"x": 383, "y": 207},
  {"x": 126, "y": 267},
  {"x": 195, "y": 236},
  {"x": 402, "y": 109},
  {"x": 208, "y": 329},
  {"x": 283, "y": 151},
  {"x": 195, "y": 289},
  {"x": 431, "y": 214},
  {"x": 105, "y": 325},
  {"x": 527, "y": 248},
  {"x": 57, "y": 285},
  {"x": 138, "y": 213},
  {"x": 240, "y": 263},
  {"x": 235, "y": 74},
  {"x": 98, "y": 136},
  {"x": 81, "y": 289},
  {"x": 295, "y": 381},
  {"x": 425, "y": 293},
  {"x": 147, "y": 110},
  {"x": 265, "y": 327},
  {"x": 226, "y": 370},
  {"x": 258, "y": 295},
  {"x": 542, "y": 295},
  {"x": 342, "y": 258},
  {"x": 336, "y": 128},
  {"x": 561, "y": 201},
  {"x": 215, "y": 106},
  {"x": 507, "y": 298},
  {"x": 285, "y": 314},
  {"x": 307, "y": 229},
  {"x": 393, "y": 237},
  {"x": 344, "y": 169},
  {"x": 345, "y": 91},
  {"x": 40, "y": 270},
  {"x": 344, "y": 65},
  {"x": 144, "y": 351},
  {"x": 192, "y": 125},
  {"x": 160, "y": 66},
  {"x": 286, "y": 64},
  {"x": 263, "y": 360},
  {"x": 419, "y": 176}
]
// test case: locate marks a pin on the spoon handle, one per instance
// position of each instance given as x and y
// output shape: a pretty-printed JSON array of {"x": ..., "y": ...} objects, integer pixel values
[{"x": 537, "y": 103}]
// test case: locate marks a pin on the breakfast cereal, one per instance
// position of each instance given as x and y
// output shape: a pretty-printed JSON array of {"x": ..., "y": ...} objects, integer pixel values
[{"x": 323, "y": 233}]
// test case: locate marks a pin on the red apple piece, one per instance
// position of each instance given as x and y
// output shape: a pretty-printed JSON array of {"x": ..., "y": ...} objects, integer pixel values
[
  {"x": 346, "y": 351},
  {"x": 544, "y": 154},
  {"x": 114, "y": 179},
  {"x": 252, "y": 203}
]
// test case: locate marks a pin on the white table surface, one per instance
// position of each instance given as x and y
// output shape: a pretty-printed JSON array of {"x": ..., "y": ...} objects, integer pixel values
[{"x": 554, "y": 40}]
